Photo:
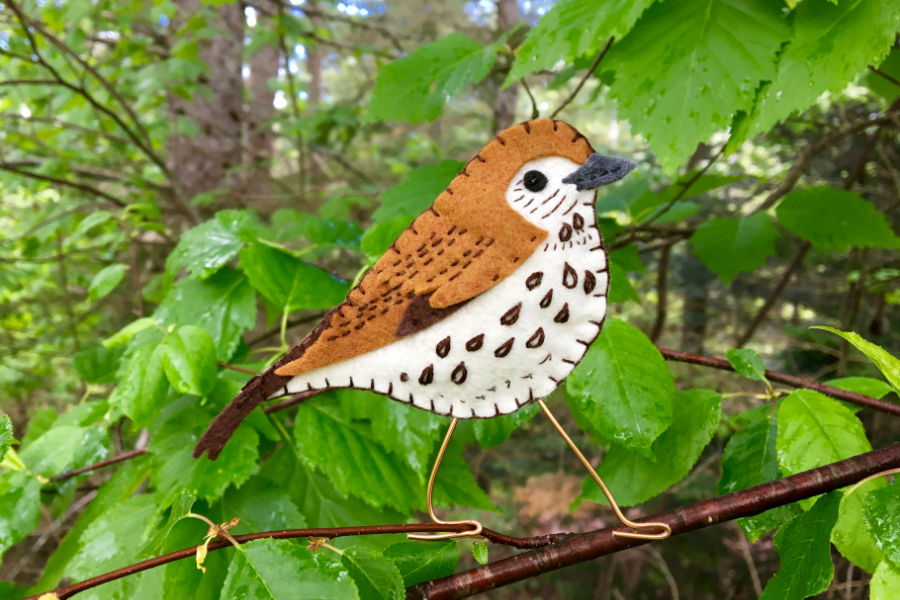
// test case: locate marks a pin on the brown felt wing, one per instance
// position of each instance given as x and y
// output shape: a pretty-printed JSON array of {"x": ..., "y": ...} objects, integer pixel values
[{"x": 468, "y": 241}]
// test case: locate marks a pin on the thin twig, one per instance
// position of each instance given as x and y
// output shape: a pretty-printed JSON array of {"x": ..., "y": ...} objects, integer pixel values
[
  {"x": 238, "y": 369},
  {"x": 103, "y": 463},
  {"x": 63, "y": 182},
  {"x": 535, "y": 113},
  {"x": 584, "y": 79},
  {"x": 881, "y": 73},
  {"x": 791, "y": 380},
  {"x": 775, "y": 294}
]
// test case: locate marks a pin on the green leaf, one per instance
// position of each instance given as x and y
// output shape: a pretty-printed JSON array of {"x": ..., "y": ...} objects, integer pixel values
[
  {"x": 175, "y": 471},
  {"x": 886, "y": 363},
  {"x": 573, "y": 28},
  {"x": 261, "y": 507},
  {"x": 423, "y": 561},
  {"x": 123, "y": 484},
  {"x": 92, "y": 220},
  {"x": 181, "y": 507},
  {"x": 224, "y": 305},
  {"x": 20, "y": 507},
  {"x": 747, "y": 363},
  {"x": 189, "y": 360},
  {"x": 96, "y": 363},
  {"x": 207, "y": 247},
  {"x": 831, "y": 45},
  {"x": 866, "y": 386},
  {"x": 415, "y": 193},
  {"x": 379, "y": 237},
  {"x": 835, "y": 220},
  {"x": 142, "y": 391},
  {"x": 115, "y": 539},
  {"x": 129, "y": 331},
  {"x": 731, "y": 246},
  {"x": 882, "y": 517},
  {"x": 493, "y": 432},
  {"x": 480, "y": 552},
  {"x": 456, "y": 484},
  {"x": 749, "y": 460},
  {"x": 289, "y": 283},
  {"x": 633, "y": 478},
  {"x": 814, "y": 430},
  {"x": 696, "y": 73},
  {"x": 106, "y": 281},
  {"x": 281, "y": 570},
  {"x": 804, "y": 545},
  {"x": 620, "y": 288},
  {"x": 319, "y": 502},
  {"x": 850, "y": 535},
  {"x": 293, "y": 224},
  {"x": 885, "y": 583},
  {"x": 624, "y": 387},
  {"x": 406, "y": 432},
  {"x": 64, "y": 447},
  {"x": 353, "y": 458},
  {"x": 6, "y": 436},
  {"x": 375, "y": 576},
  {"x": 416, "y": 87}
]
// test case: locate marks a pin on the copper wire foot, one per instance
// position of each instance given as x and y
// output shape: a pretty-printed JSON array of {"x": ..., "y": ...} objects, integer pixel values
[
  {"x": 666, "y": 530},
  {"x": 477, "y": 526}
]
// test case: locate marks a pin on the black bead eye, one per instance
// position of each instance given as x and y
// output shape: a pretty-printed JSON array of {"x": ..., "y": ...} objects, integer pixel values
[{"x": 535, "y": 181}]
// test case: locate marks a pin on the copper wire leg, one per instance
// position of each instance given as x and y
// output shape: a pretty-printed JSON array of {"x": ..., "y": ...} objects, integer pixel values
[
  {"x": 434, "y": 471},
  {"x": 666, "y": 530}
]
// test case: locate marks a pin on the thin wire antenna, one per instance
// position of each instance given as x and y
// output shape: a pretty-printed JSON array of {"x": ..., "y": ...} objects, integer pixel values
[
  {"x": 434, "y": 471},
  {"x": 666, "y": 530}
]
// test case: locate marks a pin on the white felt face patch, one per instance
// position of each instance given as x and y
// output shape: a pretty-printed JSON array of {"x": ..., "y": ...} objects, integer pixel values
[{"x": 515, "y": 342}]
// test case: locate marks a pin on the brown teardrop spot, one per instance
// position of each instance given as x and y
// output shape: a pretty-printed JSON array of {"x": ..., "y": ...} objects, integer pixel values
[
  {"x": 565, "y": 232},
  {"x": 427, "y": 375},
  {"x": 443, "y": 347},
  {"x": 578, "y": 222},
  {"x": 459, "y": 374},
  {"x": 512, "y": 315},
  {"x": 547, "y": 299},
  {"x": 563, "y": 315},
  {"x": 534, "y": 280},
  {"x": 505, "y": 348},
  {"x": 536, "y": 340},
  {"x": 590, "y": 282},
  {"x": 404, "y": 377},
  {"x": 570, "y": 277},
  {"x": 475, "y": 343}
]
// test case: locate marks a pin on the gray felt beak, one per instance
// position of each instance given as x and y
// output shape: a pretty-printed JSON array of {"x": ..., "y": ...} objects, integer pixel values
[{"x": 599, "y": 170}]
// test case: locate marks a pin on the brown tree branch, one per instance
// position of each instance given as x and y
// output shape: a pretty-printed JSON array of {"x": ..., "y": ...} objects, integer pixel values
[
  {"x": 555, "y": 551},
  {"x": 584, "y": 79},
  {"x": 588, "y": 546},
  {"x": 103, "y": 463},
  {"x": 791, "y": 380}
]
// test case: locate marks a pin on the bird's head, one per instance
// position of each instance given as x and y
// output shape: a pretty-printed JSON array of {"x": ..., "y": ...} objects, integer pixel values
[{"x": 540, "y": 169}]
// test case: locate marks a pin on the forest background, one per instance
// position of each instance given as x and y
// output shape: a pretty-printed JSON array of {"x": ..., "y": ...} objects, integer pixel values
[{"x": 186, "y": 185}]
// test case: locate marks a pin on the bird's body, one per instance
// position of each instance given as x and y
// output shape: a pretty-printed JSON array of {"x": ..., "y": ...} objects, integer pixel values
[
  {"x": 509, "y": 345},
  {"x": 486, "y": 302}
]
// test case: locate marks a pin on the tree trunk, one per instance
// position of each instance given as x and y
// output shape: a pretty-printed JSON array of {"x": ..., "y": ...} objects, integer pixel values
[
  {"x": 695, "y": 279},
  {"x": 505, "y": 100},
  {"x": 263, "y": 67},
  {"x": 206, "y": 161}
]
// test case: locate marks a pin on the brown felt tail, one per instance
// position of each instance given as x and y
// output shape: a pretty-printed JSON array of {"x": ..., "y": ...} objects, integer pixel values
[{"x": 223, "y": 427}]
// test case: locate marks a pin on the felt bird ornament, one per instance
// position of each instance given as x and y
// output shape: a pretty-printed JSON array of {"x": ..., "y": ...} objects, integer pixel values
[{"x": 485, "y": 303}]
